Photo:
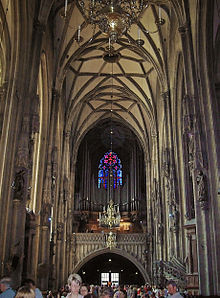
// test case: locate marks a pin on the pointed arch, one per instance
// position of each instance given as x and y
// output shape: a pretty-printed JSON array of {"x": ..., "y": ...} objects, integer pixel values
[{"x": 117, "y": 251}]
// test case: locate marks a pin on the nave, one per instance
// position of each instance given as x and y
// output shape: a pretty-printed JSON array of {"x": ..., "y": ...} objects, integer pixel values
[{"x": 109, "y": 142}]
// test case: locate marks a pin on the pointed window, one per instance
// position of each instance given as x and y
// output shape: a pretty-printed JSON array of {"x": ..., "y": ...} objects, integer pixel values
[{"x": 110, "y": 163}]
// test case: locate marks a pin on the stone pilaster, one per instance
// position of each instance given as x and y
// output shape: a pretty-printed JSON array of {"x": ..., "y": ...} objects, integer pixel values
[
  {"x": 3, "y": 92},
  {"x": 43, "y": 265},
  {"x": 59, "y": 240}
]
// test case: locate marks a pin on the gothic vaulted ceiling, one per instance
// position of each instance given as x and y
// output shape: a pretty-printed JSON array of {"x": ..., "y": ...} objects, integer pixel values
[{"x": 95, "y": 88}]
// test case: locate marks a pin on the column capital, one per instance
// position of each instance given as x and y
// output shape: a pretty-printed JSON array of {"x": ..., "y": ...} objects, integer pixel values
[
  {"x": 183, "y": 29},
  {"x": 67, "y": 134},
  {"x": 165, "y": 95},
  {"x": 39, "y": 27},
  {"x": 154, "y": 135},
  {"x": 55, "y": 94},
  {"x": 3, "y": 89}
]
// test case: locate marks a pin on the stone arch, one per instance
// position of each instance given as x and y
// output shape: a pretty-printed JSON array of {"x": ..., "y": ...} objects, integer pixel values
[{"x": 118, "y": 252}]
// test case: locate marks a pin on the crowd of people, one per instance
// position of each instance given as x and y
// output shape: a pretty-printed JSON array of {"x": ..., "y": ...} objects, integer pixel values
[
  {"x": 76, "y": 289},
  {"x": 28, "y": 289}
]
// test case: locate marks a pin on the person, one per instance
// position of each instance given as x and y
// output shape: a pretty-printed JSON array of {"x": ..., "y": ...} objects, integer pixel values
[
  {"x": 74, "y": 282},
  {"x": 120, "y": 294},
  {"x": 5, "y": 288},
  {"x": 31, "y": 284},
  {"x": 172, "y": 289},
  {"x": 84, "y": 290},
  {"x": 25, "y": 292},
  {"x": 107, "y": 292},
  {"x": 50, "y": 294}
]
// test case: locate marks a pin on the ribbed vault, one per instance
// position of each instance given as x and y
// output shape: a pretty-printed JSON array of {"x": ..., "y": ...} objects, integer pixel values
[{"x": 127, "y": 89}]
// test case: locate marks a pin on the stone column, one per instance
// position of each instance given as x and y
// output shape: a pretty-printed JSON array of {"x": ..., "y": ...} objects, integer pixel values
[
  {"x": 199, "y": 168},
  {"x": 169, "y": 173}
]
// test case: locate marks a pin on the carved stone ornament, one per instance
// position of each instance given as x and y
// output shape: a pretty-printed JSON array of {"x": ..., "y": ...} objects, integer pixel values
[
  {"x": 166, "y": 163},
  {"x": 191, "y": 148},
  {"x": 60, "y": 227},
  {"x": 12, "y": 263},
  {"x": 202, "y": 192},
  {"x": 39, "y": 27},
  {"x": 160, "y": 231},
  {"x": 35, "y": 123},
  {"x": 45, "y": 214},
  {"x": 176, "y": 221},
  {"x": 19, "y": 185},
  {"x": 22, "y": 158}
]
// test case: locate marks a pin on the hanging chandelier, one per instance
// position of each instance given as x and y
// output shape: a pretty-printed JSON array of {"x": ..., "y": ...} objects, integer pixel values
[
  {"x": 110, "y": 218},
  {"x": 113, "y": 17}
]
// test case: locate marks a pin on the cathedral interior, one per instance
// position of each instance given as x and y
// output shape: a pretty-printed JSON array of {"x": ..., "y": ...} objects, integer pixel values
[{"x": 109, "y": 142}]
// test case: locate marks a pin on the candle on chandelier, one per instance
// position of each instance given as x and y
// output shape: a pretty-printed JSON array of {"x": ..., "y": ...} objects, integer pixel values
[
  {"x": 79, "y": 29},
  {"x": 65, "y": 10},
  {"x": 139, "y": 33},
  {"x": 160, "y": 15}
]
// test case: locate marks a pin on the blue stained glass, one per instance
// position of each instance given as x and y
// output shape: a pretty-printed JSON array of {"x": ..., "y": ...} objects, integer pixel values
[{"x": 110, "y": 163}]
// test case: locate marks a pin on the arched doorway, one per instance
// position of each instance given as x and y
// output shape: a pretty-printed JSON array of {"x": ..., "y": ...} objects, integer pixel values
[
  {"x": 115, "y": 268},
  {"x": 129, "y": 270}
]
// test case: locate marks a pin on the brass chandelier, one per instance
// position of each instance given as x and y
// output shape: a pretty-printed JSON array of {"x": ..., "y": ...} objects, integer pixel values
[
  {"x": 113, "y": 17},
  {"x": 111, "y": 217}
]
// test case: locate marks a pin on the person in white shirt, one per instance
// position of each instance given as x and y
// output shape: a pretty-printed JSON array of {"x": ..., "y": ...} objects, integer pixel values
[{"x": 74, "y": 283}]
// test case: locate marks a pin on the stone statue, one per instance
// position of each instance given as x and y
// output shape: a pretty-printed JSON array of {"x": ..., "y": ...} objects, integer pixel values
[
  {"x": 191, "y": 151},
  {"x": 19, "y": 185},
  {"x": 176, "y": 216},
  {"x": 60, "y": 227},
  {"x": 166, "y": 163},
  {"x": 45, "y": 214},
  {"x": 201, "y": 187},
  {"x": 111, "y": 240}
]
